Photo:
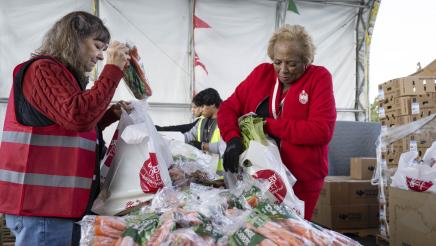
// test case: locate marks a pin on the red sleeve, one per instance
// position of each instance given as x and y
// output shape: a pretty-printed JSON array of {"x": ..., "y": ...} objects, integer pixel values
[
  {"x": 232, "y": 108},
  {"x": 108, "y": 118},
  {"x": 319, "y": 126},
  {"x": 51, "y": 90}
]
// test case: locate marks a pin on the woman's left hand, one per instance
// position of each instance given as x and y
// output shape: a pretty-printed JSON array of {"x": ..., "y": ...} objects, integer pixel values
[{"x": 117, "y": 108}]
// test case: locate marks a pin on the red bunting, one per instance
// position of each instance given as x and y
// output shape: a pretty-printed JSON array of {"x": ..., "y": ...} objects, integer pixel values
[
  {"x": 199, "y": 23},
  {"x": 197, "y": 62}
]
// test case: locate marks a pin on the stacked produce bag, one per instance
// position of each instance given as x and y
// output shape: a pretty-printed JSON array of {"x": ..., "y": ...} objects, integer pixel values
[{"x": 202, "y": 215}]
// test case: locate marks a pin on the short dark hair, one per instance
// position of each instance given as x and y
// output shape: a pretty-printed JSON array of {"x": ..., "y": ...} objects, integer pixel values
[
  {"x": 198, "y": 100},
  {"x": 210, "y": 97}
]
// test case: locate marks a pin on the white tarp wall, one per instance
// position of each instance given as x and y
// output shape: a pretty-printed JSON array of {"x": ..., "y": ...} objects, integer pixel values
[
  {"x": 229, "y": 40},
  {"x": 160, "y": 31},
  {"x": 332, "y": 29},
  {"x": 234, "y": 42}
]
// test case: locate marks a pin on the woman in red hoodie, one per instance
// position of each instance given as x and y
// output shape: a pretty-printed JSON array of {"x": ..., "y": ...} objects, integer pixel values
[{"x": 296, "y": 99}]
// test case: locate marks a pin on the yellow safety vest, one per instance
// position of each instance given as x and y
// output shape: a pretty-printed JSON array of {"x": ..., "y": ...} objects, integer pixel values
[{"x": 216, "y": 137}]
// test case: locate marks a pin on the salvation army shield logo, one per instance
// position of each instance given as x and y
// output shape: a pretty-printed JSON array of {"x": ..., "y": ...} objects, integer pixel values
[
  {"x": 418, "y": 185},
  {"x": 303, "y": 97},
  {"x": 149, "y": 175},
  {"x": 277, "y": 186}
]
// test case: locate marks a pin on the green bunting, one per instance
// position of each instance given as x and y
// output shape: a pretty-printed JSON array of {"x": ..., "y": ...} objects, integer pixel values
[{"x": 292, "y": 7}]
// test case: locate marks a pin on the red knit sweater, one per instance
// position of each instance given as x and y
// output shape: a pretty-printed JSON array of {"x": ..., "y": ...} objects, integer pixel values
[{"x": 53, "y": 91}]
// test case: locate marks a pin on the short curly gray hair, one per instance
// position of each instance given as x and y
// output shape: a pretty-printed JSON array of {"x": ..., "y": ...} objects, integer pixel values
[{"x": 294, "y": 33}]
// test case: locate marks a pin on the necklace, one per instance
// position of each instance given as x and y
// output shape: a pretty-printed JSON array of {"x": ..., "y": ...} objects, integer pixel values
[{"x": 207, "y": 129}]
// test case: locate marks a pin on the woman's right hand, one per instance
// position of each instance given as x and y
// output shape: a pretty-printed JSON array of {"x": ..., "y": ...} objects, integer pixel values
[{"x": 117, "y": 54}]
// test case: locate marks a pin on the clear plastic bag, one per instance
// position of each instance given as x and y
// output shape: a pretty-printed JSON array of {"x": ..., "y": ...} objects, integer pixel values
[
  {"x": 187, "y": 237},
  {"x": 192, "y": 165},
  {"x": 383, "y": 173},
  {"x": 101, "y": 230},
  {"x": 134, "y": 75}
]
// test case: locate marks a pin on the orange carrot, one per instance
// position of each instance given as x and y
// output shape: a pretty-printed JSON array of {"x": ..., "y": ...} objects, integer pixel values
[
  {"x": 107, "y": 231},
  {"x": 103, "y": 241},
  {"x": 111, "y": 222}
]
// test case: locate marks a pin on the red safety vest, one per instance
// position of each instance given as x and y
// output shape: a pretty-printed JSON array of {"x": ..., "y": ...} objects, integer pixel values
[{"x": 44, "y": 171}]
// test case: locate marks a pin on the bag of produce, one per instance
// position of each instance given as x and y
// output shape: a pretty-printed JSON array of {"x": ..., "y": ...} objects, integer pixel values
[{"x": 134, "y": 76}]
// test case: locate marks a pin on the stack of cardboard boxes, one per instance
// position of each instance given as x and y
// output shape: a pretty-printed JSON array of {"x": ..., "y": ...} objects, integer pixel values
[
  {"x": 403, "y": 101},
  {"x": 349, "y": 202}
]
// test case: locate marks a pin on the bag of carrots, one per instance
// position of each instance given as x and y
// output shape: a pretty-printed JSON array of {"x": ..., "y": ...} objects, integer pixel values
[
  {"x": 101, "y": 230},
  {"x": 134, "y": 76}
]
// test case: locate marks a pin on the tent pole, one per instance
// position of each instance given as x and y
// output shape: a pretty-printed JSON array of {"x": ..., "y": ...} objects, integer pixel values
[
  {"x": 191, "y": 49},
  {"x": 281, "y": 8},
  {"x": 363, "y": 35},
  {"x": 354, "y": 4},
  {"x": 96, "y": 10}
]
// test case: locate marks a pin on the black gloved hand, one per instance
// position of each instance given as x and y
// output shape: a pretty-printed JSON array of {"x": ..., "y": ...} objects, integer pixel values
[
  {"x": 196, "y": 144},
  {"x": 231, "y": 155}
]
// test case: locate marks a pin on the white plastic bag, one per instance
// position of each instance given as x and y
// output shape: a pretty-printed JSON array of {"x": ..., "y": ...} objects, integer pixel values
[
  {"x": 264, "y": 162},
  {"x": 110, "y": 152},
  {"x": 416, "y": 175},
  {"x": 138, "y": 164}
]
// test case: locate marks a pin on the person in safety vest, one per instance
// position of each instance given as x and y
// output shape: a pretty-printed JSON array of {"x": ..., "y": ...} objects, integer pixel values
[
  {"x": 205, "y": 135},
  {"x": 196, "y": 109},
  {"x": 296, "y": 100},
  {"x": 52, "y": 142}
]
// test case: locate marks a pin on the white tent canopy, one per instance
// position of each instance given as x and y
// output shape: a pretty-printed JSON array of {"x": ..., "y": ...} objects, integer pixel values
[{"x": 189, "y": 45}]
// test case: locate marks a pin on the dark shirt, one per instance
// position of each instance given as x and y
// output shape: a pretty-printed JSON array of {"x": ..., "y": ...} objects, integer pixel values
[{"x": 177, "y": 128}]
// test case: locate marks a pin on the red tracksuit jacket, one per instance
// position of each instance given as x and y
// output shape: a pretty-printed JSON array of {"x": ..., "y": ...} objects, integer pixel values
[{"x": 305, "y": 125}]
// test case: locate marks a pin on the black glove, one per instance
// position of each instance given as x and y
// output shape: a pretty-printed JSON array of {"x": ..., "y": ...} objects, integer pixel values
[
  {"x": 196, "y": 144},
  {"x": 231, "y": 155}
]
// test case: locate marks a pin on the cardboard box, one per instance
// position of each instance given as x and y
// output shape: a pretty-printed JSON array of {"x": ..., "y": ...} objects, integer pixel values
[
  {"x": 423, "y": 139},
  {"x": 409, "y": 105},
  {"x": 412, "y": 217},
  {"x": 342, "y": 190},
  {"x": 406, "y": 119},
  {"x": 362, "y": 168},
  {"x": 409, "y": 86},
  {"x": 392, "y": 155},
  {"x": 346, "y": 216}
]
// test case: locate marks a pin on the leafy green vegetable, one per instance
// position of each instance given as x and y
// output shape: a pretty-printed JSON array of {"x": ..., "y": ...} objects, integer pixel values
[{"x": 252, "y": 130}]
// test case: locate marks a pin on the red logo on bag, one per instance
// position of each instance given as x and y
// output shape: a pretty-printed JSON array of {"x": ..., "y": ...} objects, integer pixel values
[
  {"x": 111, "y": 150},
  {"x": 418, "y": 185},
  {"x": 277, "y": 188},
  {"x": 149, "y": 175}
]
